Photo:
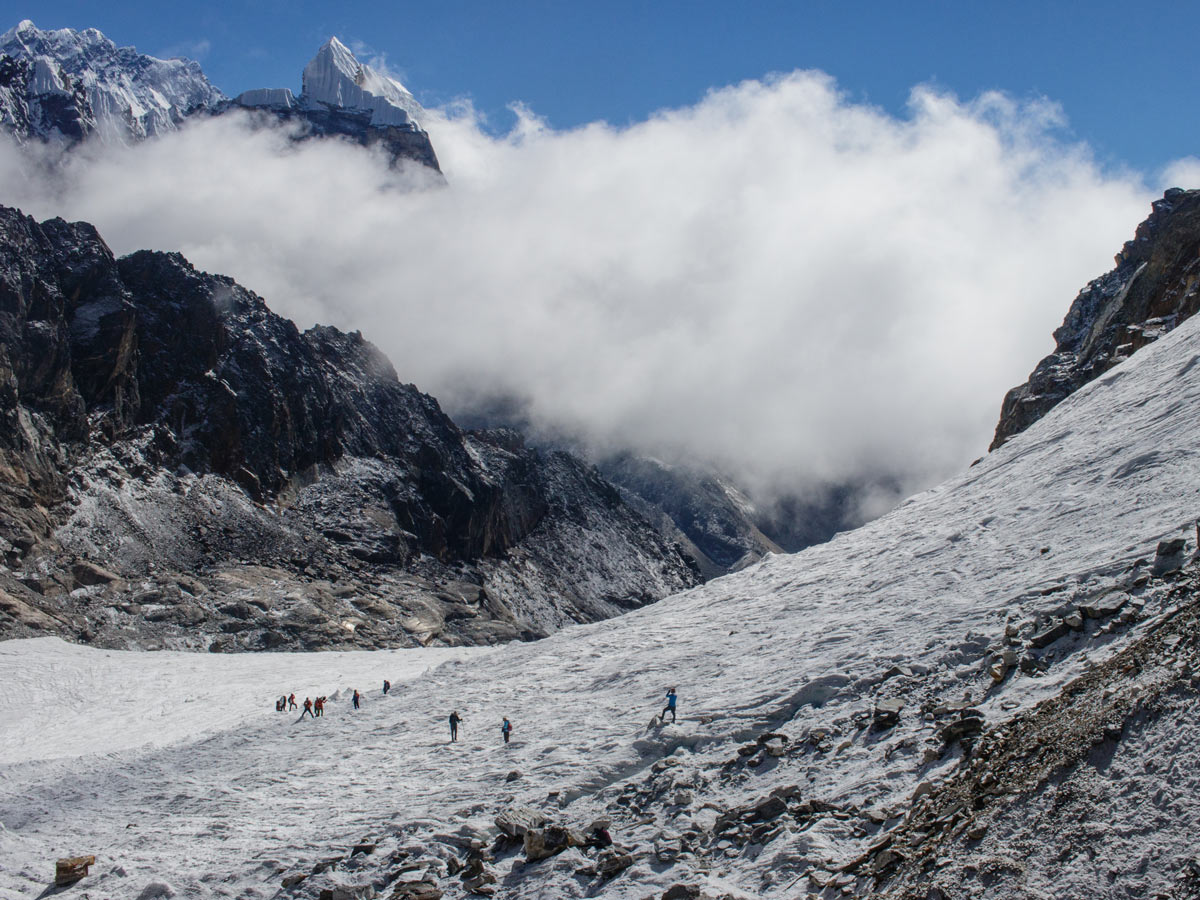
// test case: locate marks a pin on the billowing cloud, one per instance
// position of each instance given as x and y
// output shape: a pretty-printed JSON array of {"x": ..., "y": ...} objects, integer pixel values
[{"x": 797, "y": 288}]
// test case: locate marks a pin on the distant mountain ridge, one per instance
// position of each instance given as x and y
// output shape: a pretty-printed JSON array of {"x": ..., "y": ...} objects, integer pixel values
[
  {"x": 69, "y": 85},
  {"x": 66, "y": 86}
]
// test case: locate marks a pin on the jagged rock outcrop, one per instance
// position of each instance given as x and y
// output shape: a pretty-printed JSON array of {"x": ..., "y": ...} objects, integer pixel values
[
  {"x": 247, "y": 485},
  {"x": 1152, "y": 289}
]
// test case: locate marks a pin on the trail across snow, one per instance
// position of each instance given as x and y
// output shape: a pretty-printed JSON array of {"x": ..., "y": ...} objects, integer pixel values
[
  {"x": 232, "y": 797},
  {"x": 78, "y": 701}
]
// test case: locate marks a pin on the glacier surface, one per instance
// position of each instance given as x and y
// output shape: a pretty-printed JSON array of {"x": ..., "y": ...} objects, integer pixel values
[{"x": 907, "y": 608}]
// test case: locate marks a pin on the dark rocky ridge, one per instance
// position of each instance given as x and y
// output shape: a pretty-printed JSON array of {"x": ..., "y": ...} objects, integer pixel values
[
  {"x": 180, "y": 466},
  {"x": 321, "y": 120},
  {"x": 1152, "y": 289}
]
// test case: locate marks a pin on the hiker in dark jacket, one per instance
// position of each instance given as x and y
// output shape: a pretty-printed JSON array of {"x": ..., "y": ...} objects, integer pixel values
[
  {"x": 455, "y": 718},
  {"x": 356, "y": 698},
  {"x": 387, "y": 686}
]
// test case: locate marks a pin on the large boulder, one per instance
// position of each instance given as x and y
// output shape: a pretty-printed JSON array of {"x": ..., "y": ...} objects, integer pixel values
[{"x": 515, "y": 822}]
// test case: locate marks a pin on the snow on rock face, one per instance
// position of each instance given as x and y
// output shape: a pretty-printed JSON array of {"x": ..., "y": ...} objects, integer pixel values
[
  {"x": 120, "y": 94},
  {"x": 344, "y": 98},
  {"x": 334, "y": 76}
]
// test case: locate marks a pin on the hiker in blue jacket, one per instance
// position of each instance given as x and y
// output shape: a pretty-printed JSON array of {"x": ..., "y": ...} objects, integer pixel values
[
  {"x": 506, "y": 729},
  {"x": 670, "y": 708}
]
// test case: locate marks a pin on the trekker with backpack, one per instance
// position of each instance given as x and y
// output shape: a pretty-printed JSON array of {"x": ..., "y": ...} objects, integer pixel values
[
  {"x": 506, "y": 729},
  {"x": 308, "y": 709},
  {"x": 356, "y": 698},
  {"x": 455, "y": 718}
]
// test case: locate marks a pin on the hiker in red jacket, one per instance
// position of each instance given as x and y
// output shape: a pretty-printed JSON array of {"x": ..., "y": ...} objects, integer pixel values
[{"x": 308, "y": 709}]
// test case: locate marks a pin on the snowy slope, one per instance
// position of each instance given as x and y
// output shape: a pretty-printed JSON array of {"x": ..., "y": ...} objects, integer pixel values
[
  {"x": 169, "y": 696},
  {"x": 910, "y": 607}
]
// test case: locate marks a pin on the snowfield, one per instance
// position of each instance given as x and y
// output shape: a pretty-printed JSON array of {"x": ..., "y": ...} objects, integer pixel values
[
  {"x": 175, "y": 771},
  {"x": 74, "y": 701}
]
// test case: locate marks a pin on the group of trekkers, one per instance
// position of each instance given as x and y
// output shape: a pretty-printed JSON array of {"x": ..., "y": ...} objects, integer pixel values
[
  {"x": 312, "y": 707},
  {"x": 317, "y": 708}
]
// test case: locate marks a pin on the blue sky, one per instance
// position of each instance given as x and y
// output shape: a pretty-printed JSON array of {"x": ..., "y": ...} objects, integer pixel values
[{"x": 1121, "y": 73}]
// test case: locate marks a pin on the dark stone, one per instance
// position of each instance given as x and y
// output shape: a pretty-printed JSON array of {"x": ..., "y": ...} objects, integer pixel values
[
  {"x": 887, "y": 713},
  {"x": 771, "y": 808},
  {"x": 964, "y": 727},
  {"x": 1049, "y": 635},
  {"x": 611, "y": 863},
  {"x": 1169, "y": 556}
]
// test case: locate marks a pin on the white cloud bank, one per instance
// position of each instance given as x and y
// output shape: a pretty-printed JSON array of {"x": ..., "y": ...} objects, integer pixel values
[{"x": 797, "y": 288}]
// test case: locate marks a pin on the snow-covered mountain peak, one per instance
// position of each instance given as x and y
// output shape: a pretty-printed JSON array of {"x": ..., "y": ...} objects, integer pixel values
[
  {"x": 335, "y": 77},
  {"x": 63, "y": 84}
]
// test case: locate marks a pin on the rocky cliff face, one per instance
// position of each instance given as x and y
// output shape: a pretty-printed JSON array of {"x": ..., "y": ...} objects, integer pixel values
[
  {"x": 179, "y": 466},
  {"x": 1152, "y": 289}
]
